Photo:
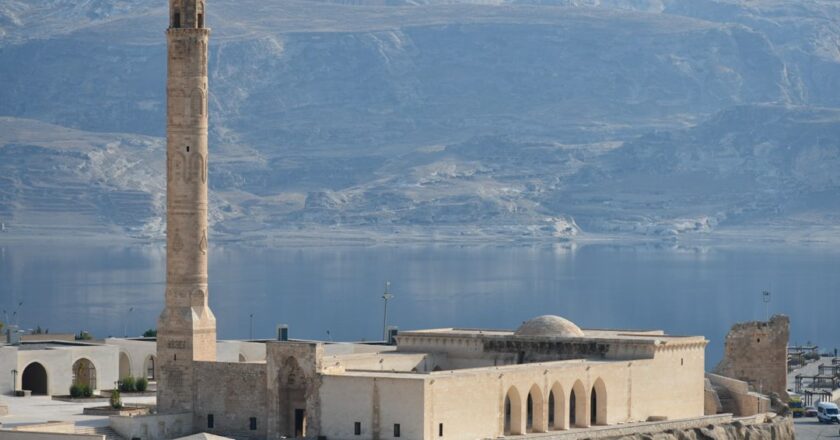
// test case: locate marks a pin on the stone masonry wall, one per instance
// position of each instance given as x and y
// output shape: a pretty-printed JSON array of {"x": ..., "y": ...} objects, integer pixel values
[
  {"x": 233, "y": 393},
  {"x": 756, "y": 352}
]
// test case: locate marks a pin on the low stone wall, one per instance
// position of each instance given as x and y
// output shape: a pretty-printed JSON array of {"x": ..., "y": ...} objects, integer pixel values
[
  {"x": 128, "y": 411},
  {"x": 23, "y": 435},
  {"x": 153, "y": 427},
  {"x": 51, "y": 427},
  {"x": 47, "y": 431},
  {"x": 747, "y": 402}
]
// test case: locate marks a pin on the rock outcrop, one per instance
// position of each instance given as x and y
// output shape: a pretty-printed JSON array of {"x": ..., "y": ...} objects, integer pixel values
[{"x": 773, "y": 428}]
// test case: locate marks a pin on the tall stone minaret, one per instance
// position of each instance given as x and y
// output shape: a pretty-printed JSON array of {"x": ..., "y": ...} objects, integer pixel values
[{"x": 187, "y": 327}]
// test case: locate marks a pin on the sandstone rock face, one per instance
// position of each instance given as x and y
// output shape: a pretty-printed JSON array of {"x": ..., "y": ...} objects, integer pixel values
[{"x": 775, "y": 428}]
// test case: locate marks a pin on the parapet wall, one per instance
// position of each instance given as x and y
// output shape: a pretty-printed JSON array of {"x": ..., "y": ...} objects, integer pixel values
[
  {"x": 756, "y": 352},
  {"x": 745, "y": 401}
]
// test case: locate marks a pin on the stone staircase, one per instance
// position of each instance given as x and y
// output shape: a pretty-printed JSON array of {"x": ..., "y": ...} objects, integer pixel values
[{"x": 109, "y": 433}]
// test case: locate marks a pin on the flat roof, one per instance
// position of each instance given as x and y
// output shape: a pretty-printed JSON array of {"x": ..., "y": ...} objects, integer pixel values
[
  {"x": 645, "y": 336},
  {"x": 52, "y": 345}
]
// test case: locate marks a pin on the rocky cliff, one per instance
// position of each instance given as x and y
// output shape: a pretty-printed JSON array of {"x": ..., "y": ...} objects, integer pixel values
[{"x": 773, "y": 428}]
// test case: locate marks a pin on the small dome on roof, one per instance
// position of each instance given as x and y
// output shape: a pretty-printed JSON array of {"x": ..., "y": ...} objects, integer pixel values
[{"x": 549, "y": 325}]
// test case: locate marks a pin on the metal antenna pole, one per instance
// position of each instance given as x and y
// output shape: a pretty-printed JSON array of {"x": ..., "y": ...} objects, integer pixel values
[
  {"x": 251, "y": 331},
  {"x": 765, "y": 296},
  {"x": 385, "y": 297}
]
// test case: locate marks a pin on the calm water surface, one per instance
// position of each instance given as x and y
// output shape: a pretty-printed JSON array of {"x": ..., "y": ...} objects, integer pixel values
[{"x": 338, "y": 289}]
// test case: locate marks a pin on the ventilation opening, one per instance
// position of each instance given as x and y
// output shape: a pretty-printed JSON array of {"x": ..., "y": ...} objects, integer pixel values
[
  {"x": 357, "y": 428},
  {"x": 396, "y": 430},
  {"x": 200, "y": 20},
  {"x": 210, "y": 422},
  {"x": 188, "y": 148},
  {"x": 440, "y": 430},
  {"x": 253, "y": 424},
  {"x": 176, "y": 20}
]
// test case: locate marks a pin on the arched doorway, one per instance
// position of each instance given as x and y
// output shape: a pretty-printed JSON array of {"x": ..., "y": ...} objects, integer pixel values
[
  {"x": 598, "y": 403},
  {"x": 34, "y": 379},
  {"x": 293, "y": 399},
  {"x": 84, "y": 373},
  {"x": 125, "y": 365},
  {"x": 557, "y": 416},
  {"x": 513, "y": 413},
  {"x": 535, "y": 421},
  {"x": 578, "y": 416}
]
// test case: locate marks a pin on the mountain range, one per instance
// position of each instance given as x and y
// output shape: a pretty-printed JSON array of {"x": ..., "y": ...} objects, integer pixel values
[{"x": 499, "y": 120}]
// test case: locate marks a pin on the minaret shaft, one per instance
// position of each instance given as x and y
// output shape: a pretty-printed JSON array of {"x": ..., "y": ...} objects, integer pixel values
[{"x": 187, "y": 327}]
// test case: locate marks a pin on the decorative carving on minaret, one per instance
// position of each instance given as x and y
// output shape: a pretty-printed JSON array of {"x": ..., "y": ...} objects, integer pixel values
[
  {"x": 202, "y": 242},
  {"x": 177, "y": 241}
]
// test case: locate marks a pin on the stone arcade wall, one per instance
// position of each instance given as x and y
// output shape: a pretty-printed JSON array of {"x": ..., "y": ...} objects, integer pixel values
[{"x": 756, "y": 352}]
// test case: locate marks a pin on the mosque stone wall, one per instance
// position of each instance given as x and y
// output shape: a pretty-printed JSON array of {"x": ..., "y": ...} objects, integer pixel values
[{"x": 234, "y": 394}]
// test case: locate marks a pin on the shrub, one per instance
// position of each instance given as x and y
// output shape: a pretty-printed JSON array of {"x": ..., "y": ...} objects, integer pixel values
[
  {"x": 116, "y": 401},
  {"x": 75, "y": 391},
  {"x": 87, "y": 391},
  {"x": 127, "y": 385},
  {"x": 141, "y": 384}
]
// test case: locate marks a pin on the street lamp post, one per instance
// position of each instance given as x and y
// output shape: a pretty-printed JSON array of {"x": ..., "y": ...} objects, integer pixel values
[
  {"x": 125, "y": 324},
  {"x": 251, "y": 327},
  {"x": 15, "y": 316},
  {"x": 385, "y": 297},
  {"x": 14, "y": 381}
]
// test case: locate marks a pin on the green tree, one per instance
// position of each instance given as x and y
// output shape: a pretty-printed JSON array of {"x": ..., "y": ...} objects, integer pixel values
[
  {"x": 84, "y": 336},
  {"x": 150, "y": 333}
]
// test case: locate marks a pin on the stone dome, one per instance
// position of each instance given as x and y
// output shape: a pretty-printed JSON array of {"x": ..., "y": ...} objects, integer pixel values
[{"x": 551, "y": 326}]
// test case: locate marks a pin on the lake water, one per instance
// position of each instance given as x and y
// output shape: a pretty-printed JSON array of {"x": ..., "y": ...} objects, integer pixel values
[{"x": 697, "y": 291}]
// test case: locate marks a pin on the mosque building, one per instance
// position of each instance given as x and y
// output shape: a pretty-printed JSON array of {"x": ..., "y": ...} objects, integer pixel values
[{"x": 548, "y": 375}]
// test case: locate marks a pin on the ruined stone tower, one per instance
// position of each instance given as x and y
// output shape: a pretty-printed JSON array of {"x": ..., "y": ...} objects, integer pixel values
[{"x": 187, "y": 327}]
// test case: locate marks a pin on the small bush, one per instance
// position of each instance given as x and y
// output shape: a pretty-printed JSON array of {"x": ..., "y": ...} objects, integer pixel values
[
  {"x": 75, "y": 391},
  {"x": 141, "y": 384},
  {"x": 87, "y": 391},
  {"x": 127, "y": 385},
  {"x": 116, "y": 400}
]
